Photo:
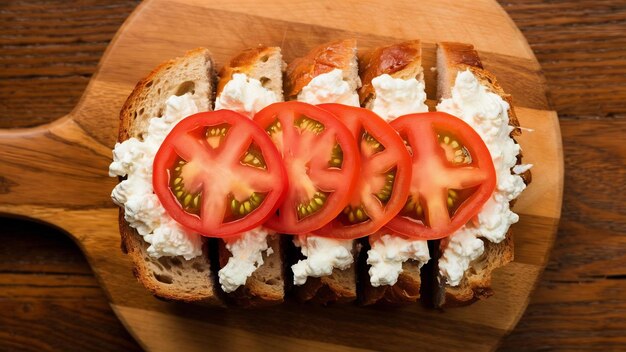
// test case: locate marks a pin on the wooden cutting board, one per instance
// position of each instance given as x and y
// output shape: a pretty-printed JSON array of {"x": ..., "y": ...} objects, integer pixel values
[{"x": 57, "y": 173}]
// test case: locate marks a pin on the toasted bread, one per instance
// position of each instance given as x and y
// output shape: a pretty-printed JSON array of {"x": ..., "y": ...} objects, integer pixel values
[
  {"x": 171, "y": 278},
  {"x": 339, "y": 54},
  {"x": 263, "y": 63},
  {"x": 266, "y": 285},
  {"x": 401, "y": 60},
  {"x": 476, "y": 283},
  {"x": 340, "y": 286}
]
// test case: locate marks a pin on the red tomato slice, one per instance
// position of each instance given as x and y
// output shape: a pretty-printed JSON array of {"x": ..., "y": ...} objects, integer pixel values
[
  {"x": 383, "y": 184},
  {"x": 322, "y": 162},
  {"x": 219, "y": 174},
  {"x": 453, "y": 175}
]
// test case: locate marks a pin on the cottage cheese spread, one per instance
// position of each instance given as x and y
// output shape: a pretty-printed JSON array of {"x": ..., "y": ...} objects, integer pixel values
[
  {"x": 329, "y": 88},
  {"x": 142, "y": 209},
  {"x": 387, "y": 255},
  {"x": 396, "y": 97},
  {"x": 462, "y": 248},
  {"x": 247, "y": 256},
  {"x": 322, "y": 256},
  {"x": 245, "y": 95},
  {"x": 487, "y": 113}
]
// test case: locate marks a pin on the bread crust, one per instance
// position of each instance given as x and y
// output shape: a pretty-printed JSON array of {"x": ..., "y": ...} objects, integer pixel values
[
  {"x": 245, "y": 62},
  {"x": 476, "y": 283},
  {"x": 133, "y": 124},
  {"x": 338, "y": 287},
  {"x": 255, "y": 293},
  {"x": 405, "y": 290},
  {"x": 321, "y": 59},
  {"x": 401, "y": 60},
  {"x": 129, "y": 125}
]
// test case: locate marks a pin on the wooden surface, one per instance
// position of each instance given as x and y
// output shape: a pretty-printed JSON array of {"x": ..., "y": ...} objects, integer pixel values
[
  {"x": 578, "y": 300},
  {"x": 57, "y": 173}
]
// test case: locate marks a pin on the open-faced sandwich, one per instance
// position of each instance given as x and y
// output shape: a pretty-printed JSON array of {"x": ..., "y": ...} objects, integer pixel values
[{"x": 326, "y": 179}]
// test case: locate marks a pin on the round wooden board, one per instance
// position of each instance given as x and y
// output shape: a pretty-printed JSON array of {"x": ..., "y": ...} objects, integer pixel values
[{"x": 58, "y": 173}]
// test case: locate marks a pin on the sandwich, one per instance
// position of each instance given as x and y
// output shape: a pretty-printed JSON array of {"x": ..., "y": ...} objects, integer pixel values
[
  {"x": 393, "y": 85},
  {"x": 169, "y": 260},
  {"x": 467, "y": 258},
  {"x": 345, "y": 177},
  {"x": 326, "y": 270},
  {"x": 251, "y": 264}
]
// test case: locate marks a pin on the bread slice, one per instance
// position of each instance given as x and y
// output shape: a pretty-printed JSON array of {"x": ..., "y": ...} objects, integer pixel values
[
  {"x": 401, "y": 60},
  {"x": 171, "y": 278},
  {"x": 476, "y": 283},
  {"x": 340, "y": 286},
  {"x": 339, "y": 54},
  {"x": 266, "y": 286},
  {"x": 263, "y": 63}
]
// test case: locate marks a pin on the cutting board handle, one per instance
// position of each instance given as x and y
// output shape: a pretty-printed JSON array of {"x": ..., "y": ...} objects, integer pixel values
[{"x": 51, "y": 168}]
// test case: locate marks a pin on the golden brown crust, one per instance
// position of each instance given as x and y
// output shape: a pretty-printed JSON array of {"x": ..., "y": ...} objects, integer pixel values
[
  {"x": 461, "y": 54},
  {"x": 319, "y": 60},
  {"x": 402, "y": 60},
  {"x": 244, "y": 63},
  {"x": 476, "y": 283}
]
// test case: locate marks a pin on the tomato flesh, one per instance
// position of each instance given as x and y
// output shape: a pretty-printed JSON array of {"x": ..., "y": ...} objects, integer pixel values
[
  {"x": 383, "y": 184},
  {"x": 322, "y": 163},
  {"x": 453, "y": 175},
  {"x": 217, "y": 173}
]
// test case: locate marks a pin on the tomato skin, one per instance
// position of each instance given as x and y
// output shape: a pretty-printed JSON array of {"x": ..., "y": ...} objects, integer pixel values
[
  {"x": 184, "y": 139},
  {"x": 360, "y": 121},
  {"x": 432, "y": 177},
  {"x": 307, "y": 167}
]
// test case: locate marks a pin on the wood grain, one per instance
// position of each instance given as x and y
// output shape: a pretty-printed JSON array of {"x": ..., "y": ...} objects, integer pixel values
[
  {"x": 49, "y": 298},
  {"x": 57, "y": 174},
  {"x": 547, "y": 322}
]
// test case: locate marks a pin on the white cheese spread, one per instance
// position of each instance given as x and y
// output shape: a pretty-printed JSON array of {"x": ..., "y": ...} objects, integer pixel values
[
  {"x": 462, "y": 248},
  {"x": 387, "y": 255},
  {"x": 396, "y": 97},
  {"x": 322, "y": 256},
  {"x": 245, "y": 95},
  {"x": 142, "y": 209},
  {"x": 247, "y": 256},
  {"x": 487, "y": 113},
  {"x": 329, "y": 87}
]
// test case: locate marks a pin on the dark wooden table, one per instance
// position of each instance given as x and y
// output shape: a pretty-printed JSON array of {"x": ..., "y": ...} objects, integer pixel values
[{"x": 50, "y": 300}]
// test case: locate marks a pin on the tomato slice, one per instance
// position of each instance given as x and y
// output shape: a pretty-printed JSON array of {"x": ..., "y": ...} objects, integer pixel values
[
  {"x": 383, "y": 184},
  {"x": 453, "y": 175},
  {"x": 322, "y": 162},
  {"x": 219, "y": 174}
]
